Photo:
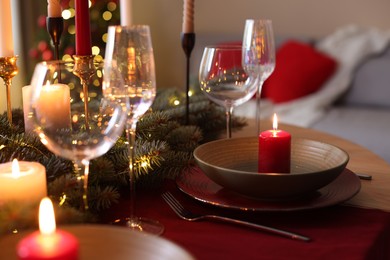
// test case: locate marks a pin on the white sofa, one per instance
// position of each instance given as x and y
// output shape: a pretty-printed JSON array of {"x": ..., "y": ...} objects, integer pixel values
[{"x": 354, "y": 103}]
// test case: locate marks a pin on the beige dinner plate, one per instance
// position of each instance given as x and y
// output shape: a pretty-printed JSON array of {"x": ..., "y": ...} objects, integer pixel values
[
  {"x": 108, "y": 242},
  {"x": 197, "y": 185},
  {"x": 233, "y": 164}
]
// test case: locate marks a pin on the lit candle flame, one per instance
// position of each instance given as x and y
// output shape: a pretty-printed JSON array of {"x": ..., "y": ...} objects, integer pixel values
[
  {"x": 15, "y": 169},
  {"x": 275, "y": 122},
  {"x": 47, "y": 222}
]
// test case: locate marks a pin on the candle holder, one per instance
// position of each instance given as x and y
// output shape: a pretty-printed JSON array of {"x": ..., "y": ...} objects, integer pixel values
[
  {"x": 187, "y": 43},
  {"x": 84, "y": 69},
  {"x": 8, "y": 70},
  {"x": 55, "y": 27}
]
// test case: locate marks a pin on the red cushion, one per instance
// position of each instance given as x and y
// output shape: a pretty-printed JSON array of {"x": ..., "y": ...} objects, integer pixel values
[{"x": 300, "y": 70}]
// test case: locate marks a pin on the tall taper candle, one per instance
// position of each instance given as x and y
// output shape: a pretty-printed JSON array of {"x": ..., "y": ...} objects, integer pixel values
[
  {"x": 83, "y": 31},
  {"x": 126, "y": 12},
  {"x": 6, "y": 40},
  {"x": 188, "y": 16},
  {"x": 53, "y": 8}
]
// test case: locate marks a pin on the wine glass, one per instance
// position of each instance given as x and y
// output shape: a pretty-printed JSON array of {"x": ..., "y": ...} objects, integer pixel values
[
  {"x": 223, "y": 79},
  {"x": 72, "y": 116},
  {"x": 129, "y": 49},
  {"x": 258, "y": 55}
]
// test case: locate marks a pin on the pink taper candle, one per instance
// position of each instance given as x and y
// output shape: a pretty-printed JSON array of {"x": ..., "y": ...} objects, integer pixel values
[
  {"x": 188, "y": 16},
  {"x": 83, "y": 31},
  {"x": 6, "y": 40},
  {"x": 53, "y": 8}
]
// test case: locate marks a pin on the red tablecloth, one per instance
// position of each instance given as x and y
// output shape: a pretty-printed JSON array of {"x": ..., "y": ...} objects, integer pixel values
[{"x": 337, "y": 232}]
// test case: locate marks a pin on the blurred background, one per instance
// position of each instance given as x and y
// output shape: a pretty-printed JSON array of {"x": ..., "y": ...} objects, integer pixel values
[{"x": 213, "y": 19}]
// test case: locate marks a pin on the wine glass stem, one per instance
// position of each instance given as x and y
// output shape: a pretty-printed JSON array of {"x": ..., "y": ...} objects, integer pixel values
[
  {"x": 258, "y": 107},
  {"x": 83, "y": 164},
  {"x": 229, "y": 112},
  {"x": 130, "y": 134}
]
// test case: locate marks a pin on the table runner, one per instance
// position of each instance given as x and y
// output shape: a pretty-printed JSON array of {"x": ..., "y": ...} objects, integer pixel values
[{"x": 338, "y": 232}]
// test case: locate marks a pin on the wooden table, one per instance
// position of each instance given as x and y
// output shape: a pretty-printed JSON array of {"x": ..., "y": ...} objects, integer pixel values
[{"x": 374, "y": 193}]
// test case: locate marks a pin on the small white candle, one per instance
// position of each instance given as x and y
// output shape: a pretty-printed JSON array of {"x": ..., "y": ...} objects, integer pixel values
[
  {"x": 52, "y": 107},
  {"x": 188, "y": 16},
  {"x": 6, "y": 40},
  {"x": 126, "y": 12},
  {"x": 22, "y": 181},
  {"x": 53, "y": 8}
]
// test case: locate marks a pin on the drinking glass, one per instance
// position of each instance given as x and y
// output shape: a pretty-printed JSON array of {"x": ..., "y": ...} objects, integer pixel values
[
  {"x": 129, "y": 49},
  {"x": 258, "y": 55},
  {"x": 223, "y": 79},
  {"x": 72, "y": 116}
]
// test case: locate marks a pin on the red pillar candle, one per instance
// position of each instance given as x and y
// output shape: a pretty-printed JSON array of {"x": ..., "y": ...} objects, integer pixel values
[
  {"x": 48, "y": 243},
  {"x": 83, "y": 31},
  {"x": 274, "y": 150}
]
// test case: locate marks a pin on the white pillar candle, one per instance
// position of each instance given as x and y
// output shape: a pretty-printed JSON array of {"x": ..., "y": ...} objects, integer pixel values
[
  {"x": 6, "y": 40},
  {"x": 188, "y": 16},
  {"x": 126, "y": 12},
  {"x": 53, "y": 8},
  {"x": 22, "y": 181},
  {"x": 52, "y": 107},
  {"x": 26, "y": 95}
]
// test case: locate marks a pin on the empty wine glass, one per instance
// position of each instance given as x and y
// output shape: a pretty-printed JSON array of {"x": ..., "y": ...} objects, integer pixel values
[
  {"x": 258, "y": 55},
  {"x": 129, "y": 49},
  {"x": 72, "y": 116},
  {"x": 223, "y": 79}
]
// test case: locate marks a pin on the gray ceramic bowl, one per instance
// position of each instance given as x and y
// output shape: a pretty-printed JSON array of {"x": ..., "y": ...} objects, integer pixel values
[{"x": 232, "y": 163}]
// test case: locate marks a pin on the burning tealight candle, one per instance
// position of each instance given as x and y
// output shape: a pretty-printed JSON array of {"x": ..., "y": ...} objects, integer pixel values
[
  {"x": 274, "y": 150},
  {"x": 48, "y": 243},
  {"x": 22, "y": 181}
]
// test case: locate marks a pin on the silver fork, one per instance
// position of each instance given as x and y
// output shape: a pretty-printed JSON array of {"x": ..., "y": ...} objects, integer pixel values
[{"x": 190, "y": 216}]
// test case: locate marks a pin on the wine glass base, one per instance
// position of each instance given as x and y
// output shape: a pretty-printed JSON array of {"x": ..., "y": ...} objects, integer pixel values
[{"x": 146, "y": 225}]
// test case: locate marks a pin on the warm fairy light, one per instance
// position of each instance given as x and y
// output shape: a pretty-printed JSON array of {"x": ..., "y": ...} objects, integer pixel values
[
  {"x": 107, "y": 15},
  {"x": 66, "y": 14},
  {"x": 144, "y": 164},
  {"x": 71, "y": 29},
  {"x": 111, "y": 6},
  {"x": 275, "y": 122},
  {"x": 98, "y": 58},
  {"x": 95, "y": 50},
  {"x": 67, "y": 57},
  {"x": 176, "y": 102},
  {"x": 190, "y": 93},
  {"x": 47, "y": 222},
  {"x": 15, "y": 169},
  {"x": 75, "y": 118},
  {"x": 104, "y": 37},
  {"x": 42, "y": 137}
]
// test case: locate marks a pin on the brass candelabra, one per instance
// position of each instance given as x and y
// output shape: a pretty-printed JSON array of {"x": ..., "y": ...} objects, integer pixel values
[{"x": 8, "y": 70}]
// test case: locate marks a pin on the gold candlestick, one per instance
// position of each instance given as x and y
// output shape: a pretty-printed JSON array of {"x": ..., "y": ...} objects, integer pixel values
[
  {"x": 84, "y": 68},
  {"x": 8, "y": 70}
]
